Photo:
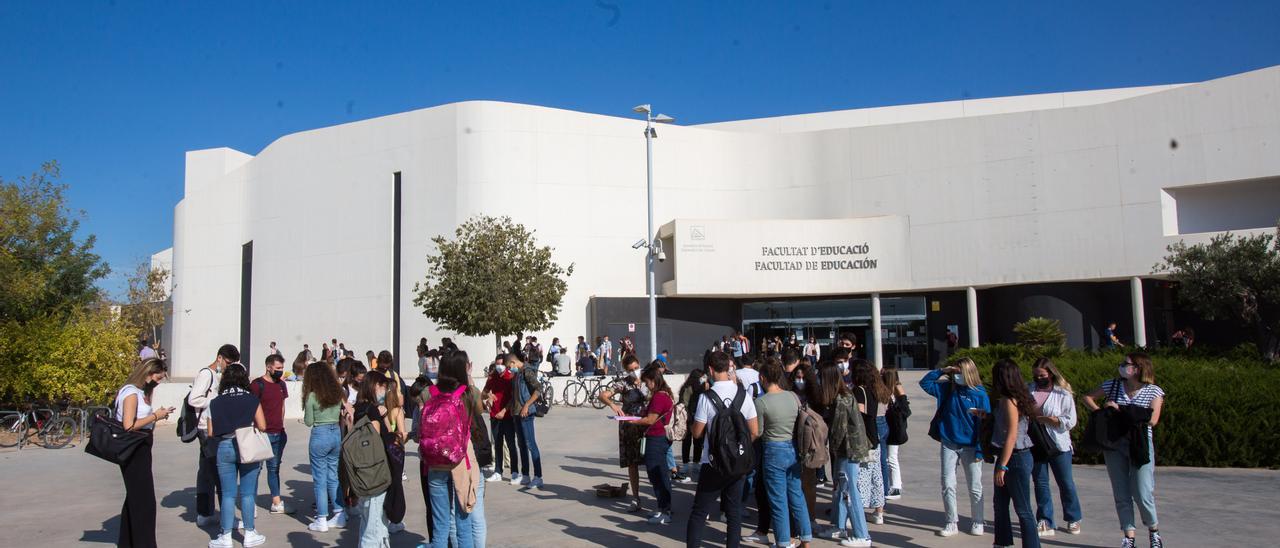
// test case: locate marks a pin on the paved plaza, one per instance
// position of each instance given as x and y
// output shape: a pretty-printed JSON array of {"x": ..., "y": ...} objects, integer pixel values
[{"x": 66, "y": 498}]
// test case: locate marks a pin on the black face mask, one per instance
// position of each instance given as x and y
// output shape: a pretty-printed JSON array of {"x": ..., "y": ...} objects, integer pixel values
[
  {"x": 277, "y": 375},
  {"x": 151, "y": 385},
  {"x": 1043, "y": 383}
]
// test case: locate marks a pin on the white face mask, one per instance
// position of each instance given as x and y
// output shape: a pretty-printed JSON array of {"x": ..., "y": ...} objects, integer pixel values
[
  {"x": 799, "y": 384},
  {"x": 1124, "y": 371},
  {"x": 635, "y": 373},
  {"x": 644, "y": 389},
  {"x": 500, "y": 369},
  {"x": 844, "y": 366}
]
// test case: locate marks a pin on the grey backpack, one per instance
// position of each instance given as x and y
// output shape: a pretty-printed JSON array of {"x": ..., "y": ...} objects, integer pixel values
[{"x": 364, "y": 460}]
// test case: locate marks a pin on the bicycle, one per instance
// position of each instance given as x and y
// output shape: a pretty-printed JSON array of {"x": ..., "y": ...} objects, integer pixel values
[
  {"x": 54, "y": 429},
  {"x": 576, "y": 391},
  {"x": 616, "y": 397},
  {"x": 548, "y": 391}
]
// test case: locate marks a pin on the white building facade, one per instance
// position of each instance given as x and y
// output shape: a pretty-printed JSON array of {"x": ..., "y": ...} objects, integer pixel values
[{"x": 963, "y": 216}]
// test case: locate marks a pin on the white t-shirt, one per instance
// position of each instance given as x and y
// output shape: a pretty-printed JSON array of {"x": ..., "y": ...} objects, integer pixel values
[
  {"x": 351, "y": 395},
  {"x": 749, "y": 377},
  {"x": 706, "y": 411},
  {"x": 144, "y": 408}
]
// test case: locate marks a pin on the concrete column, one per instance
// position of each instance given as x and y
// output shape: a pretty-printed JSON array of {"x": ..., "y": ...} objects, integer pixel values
[
  {"x": 1139, "y": 317},
  {"x": 971, "y": 296},
  {"x": 876, "y": 355}
]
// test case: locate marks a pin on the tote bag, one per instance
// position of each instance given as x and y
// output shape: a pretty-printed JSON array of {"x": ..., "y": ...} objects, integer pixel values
[{"x": 253, "y": 444}]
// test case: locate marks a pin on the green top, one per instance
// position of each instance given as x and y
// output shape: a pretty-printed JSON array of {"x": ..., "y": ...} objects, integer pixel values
[
  {"x": 777, "y": 412},
  {"x": 313, "y": 414}
]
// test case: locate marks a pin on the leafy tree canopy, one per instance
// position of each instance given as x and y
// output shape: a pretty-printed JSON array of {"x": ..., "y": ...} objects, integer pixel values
[
  {"x": 43, "y": 269},
  {"x": 1232, "y": 278},
  {"x": 492, "y": 277}
]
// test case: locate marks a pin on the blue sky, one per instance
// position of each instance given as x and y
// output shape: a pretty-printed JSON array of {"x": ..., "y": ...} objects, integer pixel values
[{"x": 118, "y": 91}]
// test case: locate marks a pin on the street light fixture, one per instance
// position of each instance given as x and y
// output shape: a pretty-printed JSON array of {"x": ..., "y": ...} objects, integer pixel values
[{"x": 655, "y": 251}]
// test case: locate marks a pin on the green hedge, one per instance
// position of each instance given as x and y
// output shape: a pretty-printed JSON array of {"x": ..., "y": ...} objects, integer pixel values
[{"x": 1220, "y": 408}]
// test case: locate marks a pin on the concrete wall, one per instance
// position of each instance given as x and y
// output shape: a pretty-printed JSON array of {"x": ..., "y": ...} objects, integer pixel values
[{"x": 1024, "y": 196}]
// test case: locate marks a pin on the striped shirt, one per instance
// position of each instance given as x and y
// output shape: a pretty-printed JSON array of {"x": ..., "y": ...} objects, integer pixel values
[{"x": 1147, "y": 394}]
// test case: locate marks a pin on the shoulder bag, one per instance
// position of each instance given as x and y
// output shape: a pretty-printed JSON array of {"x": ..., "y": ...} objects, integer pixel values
[
  {"x": 109, "y": 441},
  {"x": 253, "y": 445}
]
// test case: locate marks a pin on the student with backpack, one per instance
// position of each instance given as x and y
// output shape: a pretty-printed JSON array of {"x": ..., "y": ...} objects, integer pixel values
[
  {"x": 369, "y": 467},
  {"x": 726, "y": 417},
  {"x": 203, "y": 391},
  {"x": 629, "y": 435},
  {"x": 958, "y": 389},
  {"x": 526, "y": 391},
  {"x": 271, "y": 391},
  {"x": 658, "y": 415},
  {"x": 233, "y": 409},
  {"x": 780, "y": 421},
  {"x": 394, "y": 506},
  {"x": 847, "y": 439},
  {"x": 449, "y": 457},
  {"x": 322, "y": 398}
]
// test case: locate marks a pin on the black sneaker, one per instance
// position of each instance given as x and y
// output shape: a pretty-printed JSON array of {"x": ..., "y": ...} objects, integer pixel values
[
  {"x": 1127, "y": 543},
  {"x": 1156, "y": 541}
]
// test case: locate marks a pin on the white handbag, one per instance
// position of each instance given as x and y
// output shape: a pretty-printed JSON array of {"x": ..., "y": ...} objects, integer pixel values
[{"x": 253, "y": 445}]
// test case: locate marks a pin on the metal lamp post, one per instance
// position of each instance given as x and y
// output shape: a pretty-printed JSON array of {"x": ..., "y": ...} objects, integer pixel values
[{"x": 654, "y": 246}]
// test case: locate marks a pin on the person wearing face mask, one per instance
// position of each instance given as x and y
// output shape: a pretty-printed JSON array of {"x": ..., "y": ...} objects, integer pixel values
[
  {"x": 842, "y": 355},
  {"x": 690, "y": 391},
  {"x": 371, "y": 403},
  {"x": 133, "y": 410},
  {"x": 203, "y": 391},
  {"x": 657, "y": 415},
  {"x": 497, "y": 395},
  {"x": 271, "y": 392},
  {"x": 526, "y": 390},
  {"x": 629, "y": 435},
  {"x": 1057, "y": 408},
  {"x": 961, "y": 401},
  {"x": 1135, "y": 392}
]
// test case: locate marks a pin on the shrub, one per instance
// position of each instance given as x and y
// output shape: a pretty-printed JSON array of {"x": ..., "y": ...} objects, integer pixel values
[
  {"x": 1218, "y": 411},
  {"x": 84, "y": 358},
  {"x": 1041, "y": 335}
]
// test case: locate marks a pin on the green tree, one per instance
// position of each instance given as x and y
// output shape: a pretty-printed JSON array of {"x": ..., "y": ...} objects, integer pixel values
[
  {"x": 1041, "y": 335},
  {"x": 492, "y": 277},
  {"x": 43, "y": 269},
  {"x": 1232, "y": 278},
  {"x": 148, "y": 288}
]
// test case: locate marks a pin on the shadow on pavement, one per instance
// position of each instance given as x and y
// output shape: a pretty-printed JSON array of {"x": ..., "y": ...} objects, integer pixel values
[
  {"x": 108, "y": 534},
  {"x": 597, "y": 535},
  {"x": 184, "y": 499}
]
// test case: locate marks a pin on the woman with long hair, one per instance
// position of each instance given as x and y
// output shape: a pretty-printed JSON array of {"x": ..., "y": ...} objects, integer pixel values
[
  {"x": 891, "y": 469},
  {"x": 873, "y": 398},
  {"x": 398, "y": 429},
  {"x": 1014, "y": 407},
  {"x": 776, "y": 412},
  {"x": 850, "y": 446},
  {"x": 657, "y": 416},
  {"x": 322, "y": 399},
  {"x": 960, "y": 399},
  {"x": 371, "y": 403},
  {"x": 133, "y": 410},
  {"x": 453, "y": 512},
  {"x": 1134, "y": 390},
  {"x": 694, "y": 385},
  {"x": 235, "y": 408},
  {"x": 1056, "y": 409}
]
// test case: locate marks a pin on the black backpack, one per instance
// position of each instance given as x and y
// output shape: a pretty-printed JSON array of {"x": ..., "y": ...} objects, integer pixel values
[
  {"x": 732, "y": 454},
  {"x": 188, "y": 423}
]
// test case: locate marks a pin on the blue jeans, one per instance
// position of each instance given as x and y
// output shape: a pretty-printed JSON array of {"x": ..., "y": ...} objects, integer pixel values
[
  {"x": 882, "y": 433},
  {"x": 323, "y": 449},
  {"x": 656, "y": 449},
  {"x": 238, "y": 481},
  {"x": 1061, "y": 466},
  {"x": 782, "y": 483},
  {"x": 448, "y": 519},
  {"x": 278, "y": 442},
  {"x": 952, "y": 455},
  {"x": 1017, "y": 489},
  {"x": 528, "y": 445},
  {"x": 848, "y": 501},
  {"x": 373, "y": 522},
  {"x": 1131, "y": 484}
]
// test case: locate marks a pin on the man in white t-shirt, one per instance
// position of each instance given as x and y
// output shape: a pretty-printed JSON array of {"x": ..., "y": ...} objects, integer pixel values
[
  {"x": 712, "y": 486},
  {"x": 748, "y": 377}
]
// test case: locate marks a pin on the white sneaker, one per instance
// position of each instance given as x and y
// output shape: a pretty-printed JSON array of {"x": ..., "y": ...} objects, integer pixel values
[
  {"x": 223, "y": 540},
  {"x": 856, "y": 542},
  {"x": 515, "y": 479},
  {"x": 756, "y": 538},
  {"x": 660, "y": 518},
  {"x": 495, "y": 477},
  {"x": 834, "y": 533},
  {"x": 338, "y": 520},
  {"x": 395, "y": 528},
  {"x": 536, "y": 483},
  {"x": 320, "y": 525},
  {"x": 1073, "y": 528},
  {"x": 1043, "y": 529},
  {"x": 894, "y": 494},
  {"x": 281, "y": 508},
  {"x": 976, "y": 530},
  {"x": 949, "y": 531},
  {"x": 525, "y": 480},
  {"x": 206, "y": 521},
  {"x": 877, "y": 518},
  {"x": 253, "y": 538}
]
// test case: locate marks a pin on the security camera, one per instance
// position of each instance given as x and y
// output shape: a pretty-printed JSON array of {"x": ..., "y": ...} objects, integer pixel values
[{"x": 662, "y": 256}]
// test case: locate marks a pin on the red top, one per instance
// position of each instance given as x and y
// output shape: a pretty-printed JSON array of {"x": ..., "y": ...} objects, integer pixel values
[
  {"x": 662, "y": 405},
  {"x": 500, "y": 387},
  {"x": 271, "y": 396}
]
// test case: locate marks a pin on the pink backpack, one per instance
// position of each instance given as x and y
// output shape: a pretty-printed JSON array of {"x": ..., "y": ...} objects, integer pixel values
[{"x": 443, "y": 429}]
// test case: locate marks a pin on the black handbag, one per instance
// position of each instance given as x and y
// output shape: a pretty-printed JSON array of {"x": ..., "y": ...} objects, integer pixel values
[
  {"x": 109, "y": 441},
  {"x": 896, "y": 417},
  {"x": 1043, "y": 448}
]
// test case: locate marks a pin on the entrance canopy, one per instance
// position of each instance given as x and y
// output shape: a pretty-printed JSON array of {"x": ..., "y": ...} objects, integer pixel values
[{"x": 785, "y": 257}]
